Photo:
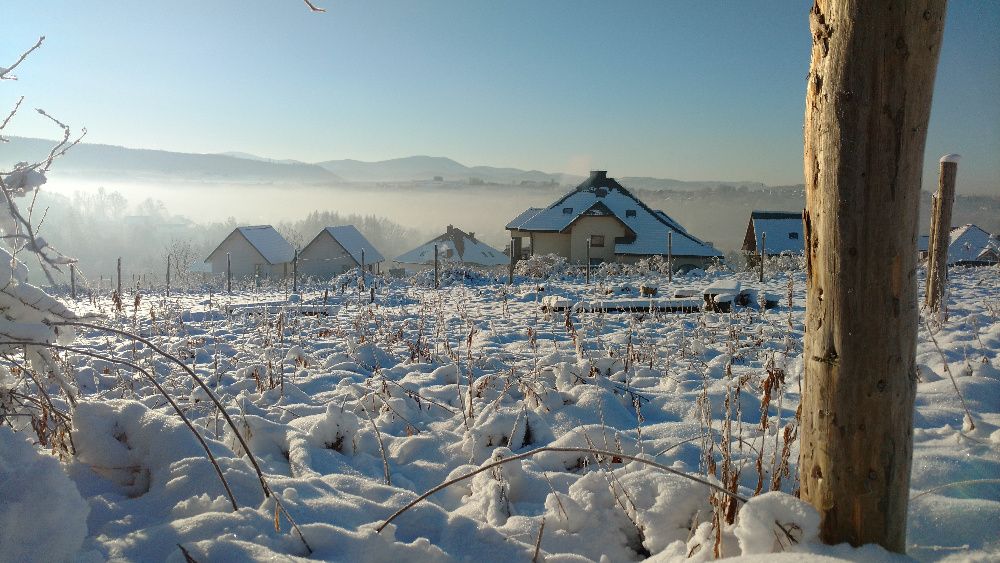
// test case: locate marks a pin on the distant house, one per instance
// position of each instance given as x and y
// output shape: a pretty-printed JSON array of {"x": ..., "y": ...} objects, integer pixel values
[
  {"x": 783, "y": 230},
  {"x": 618, "y": 225},
  {"x": 971, "y": 246},
  {"x": 256, "y": 250},
  {"x": 455, "y": 246},
  {"x": 336, "y": 250}
]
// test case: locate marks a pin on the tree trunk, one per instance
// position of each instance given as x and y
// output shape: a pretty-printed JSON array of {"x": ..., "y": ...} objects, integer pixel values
[
  {"x": 867, "y": 105},
  {"x": 937, "y": 246}
]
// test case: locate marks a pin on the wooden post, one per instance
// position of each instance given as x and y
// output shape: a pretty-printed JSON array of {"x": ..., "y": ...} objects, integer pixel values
[
  {"x": 437, "y": 279},
  {"x": 513, "y": 261},
  {"x": 763, "y": 252},
  {"x": 295, "y": 272},
  {"x": 229, "y": 273},
  {"x": 362, "y": 268},
  {"x": 119, "y": 277},
  {"x": 588, "y": 260},
  {"x": 670, "y": 256},
  {"x": 72, "y": 281},
  {"x": 937, "y": 246},
  {"x": 168, "y": 275},
  {"x": 867, "y": 103}
]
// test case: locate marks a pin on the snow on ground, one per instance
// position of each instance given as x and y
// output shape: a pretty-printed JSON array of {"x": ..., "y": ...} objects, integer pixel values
[{"x": 353, "y": 409}]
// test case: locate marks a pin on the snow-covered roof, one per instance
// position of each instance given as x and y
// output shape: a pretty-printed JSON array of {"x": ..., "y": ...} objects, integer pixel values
[
  {"x": 265, "y": 240},
  {"x": 271, "y": 245},
  {"x": 456, "y": 246},
  {"x": 969, "y": 243},
  {"x": 600, "y": 195},
  {"x": 784, "y": 231},
  {"x": 353, "y": 242}
]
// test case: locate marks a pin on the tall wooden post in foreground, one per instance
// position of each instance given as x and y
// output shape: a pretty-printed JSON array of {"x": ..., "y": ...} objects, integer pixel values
[
  {"x": 937, "y": 246},
  {"x": 867, "y": 104}
]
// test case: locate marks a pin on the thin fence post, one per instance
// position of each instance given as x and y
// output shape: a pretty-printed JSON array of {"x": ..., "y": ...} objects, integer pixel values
[
  {"x": 588, "y": 260},
  {"x": 437, "y": 272},
  {"x": 763, "y": 252},
  {"x": 295, "y": 272},
  {"x": 670, "y": 256},
  {"x": 362, "y": 268},
  {"x": 510, "y": 271},
  {"x": 119, "y": 277},
  {"x": 72, "y": 281},
  {"x": 229, "y": 273},
  {"x": 937, "y": 247},
  {"x": 168, "y": 275}
]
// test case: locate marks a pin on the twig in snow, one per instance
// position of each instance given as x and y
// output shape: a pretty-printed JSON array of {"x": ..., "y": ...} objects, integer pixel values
[{"x": 592, "y": 451}]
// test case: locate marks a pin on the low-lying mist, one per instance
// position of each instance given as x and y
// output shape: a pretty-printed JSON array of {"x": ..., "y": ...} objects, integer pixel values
[{"x": 142, "y": 221}]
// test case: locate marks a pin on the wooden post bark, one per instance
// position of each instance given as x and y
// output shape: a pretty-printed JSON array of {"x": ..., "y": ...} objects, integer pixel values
[
  {"x": 72, "y": 281},
  {"x": 937, "y": 246},
  {"x": 867, "y": 105},
  {"x": 168, "y": 275},
  {"x": 295, "y": 272},
  {"x": 588, "y": 260},
  {"x": 229, "y": 273},
  {"x": 119, "y": 277}
]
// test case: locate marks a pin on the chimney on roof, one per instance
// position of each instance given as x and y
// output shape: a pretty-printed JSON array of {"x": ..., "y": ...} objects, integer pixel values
[
  {"x": 598, "y": 175},
  {"x": 472, "y": 235},
  {"x": 451, "y": 229}
]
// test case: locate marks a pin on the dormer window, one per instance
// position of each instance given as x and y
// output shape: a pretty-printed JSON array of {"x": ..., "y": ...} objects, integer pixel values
[
  {"x": 630, "y": 213},
  {"x": 793, "y": 236},
  {"x": 567, "y": 210}
]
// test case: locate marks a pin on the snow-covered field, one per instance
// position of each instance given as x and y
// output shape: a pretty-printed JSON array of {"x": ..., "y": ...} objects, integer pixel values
[{"x": 353, "y": 414}]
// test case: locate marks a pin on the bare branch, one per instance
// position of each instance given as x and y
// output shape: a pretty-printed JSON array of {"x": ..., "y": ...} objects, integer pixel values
[
  {"x": 5, "y": 72},
  {"x": 313, "y": 6}
]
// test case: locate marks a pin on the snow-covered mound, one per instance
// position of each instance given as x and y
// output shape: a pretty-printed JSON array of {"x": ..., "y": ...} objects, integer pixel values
[{"x": 354, "y": 409}]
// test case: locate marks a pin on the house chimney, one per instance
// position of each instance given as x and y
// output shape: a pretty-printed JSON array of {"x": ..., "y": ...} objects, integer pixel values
[
  {"x": 472, "y": 235},
  {"x": 598, "y": 175},
  {"x": 451, "y": 228}
]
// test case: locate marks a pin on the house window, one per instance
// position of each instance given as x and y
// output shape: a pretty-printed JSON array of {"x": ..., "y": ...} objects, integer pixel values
[
  {"x": 630, "y": 213},
  {"x": 596, "y": 240},
  {"x": 567, "y": 210},
  {"x": 794, "y": 236}
]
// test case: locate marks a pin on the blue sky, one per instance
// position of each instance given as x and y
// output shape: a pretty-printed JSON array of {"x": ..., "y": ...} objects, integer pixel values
[{"x": 687, "y": 90}]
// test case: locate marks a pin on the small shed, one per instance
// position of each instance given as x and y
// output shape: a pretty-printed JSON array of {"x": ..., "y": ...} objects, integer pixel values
[
  {"x": 455, "y": 246},
  {"x": 336, "y": 250},
  {"x": 783, "y": 230},
  {"x": 255, "y": 250}
]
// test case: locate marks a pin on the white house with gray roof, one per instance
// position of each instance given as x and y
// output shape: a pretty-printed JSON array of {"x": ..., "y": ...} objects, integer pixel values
[
  {"x": 783, "y": 230},
  {"x": 336, "y": 250},
  {"x": 454, "y": 247},
  {"x": 255, "y": 250},
  {"x": 620, "y": 227}
]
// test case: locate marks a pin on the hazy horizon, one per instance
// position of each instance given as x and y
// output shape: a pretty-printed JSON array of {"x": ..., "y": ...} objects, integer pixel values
[{"x": 685, "y": 91}]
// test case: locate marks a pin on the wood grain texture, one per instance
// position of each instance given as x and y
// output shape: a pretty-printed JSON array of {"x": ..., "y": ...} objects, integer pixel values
[{"x": 867, "y": 105}]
